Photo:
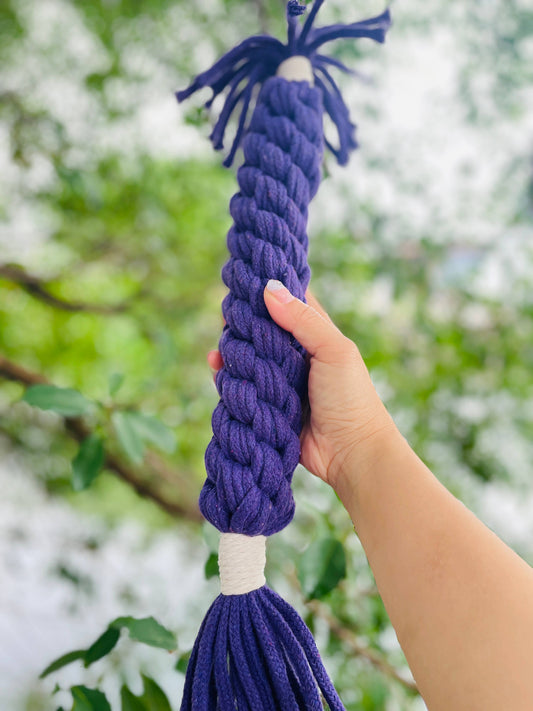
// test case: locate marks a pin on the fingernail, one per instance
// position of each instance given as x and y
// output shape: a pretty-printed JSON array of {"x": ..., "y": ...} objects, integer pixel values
[{"x": 278, "y": 291}]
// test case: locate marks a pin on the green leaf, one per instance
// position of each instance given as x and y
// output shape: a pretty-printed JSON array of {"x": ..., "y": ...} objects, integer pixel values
[
  {"x": 127, "y": 435},
  {"x": 183, "y": 661},
  {"x": 62, "y": 662},
  {"x": 89, "y": 699},
  {"x": 152, "y": 430},
  {"x": 130, "y": 702},
  {"x": 87, "y": 462},
  {"x": 103, "y": 645},
  {"x": 148, "y": 631},
  {"x": 114, "y": 383},
  {"x": 64, "y": 401},
  {"x": 153, "y": 696},
  {"x": 211, "y": 566},
  {"x": 321, "y": 567}
]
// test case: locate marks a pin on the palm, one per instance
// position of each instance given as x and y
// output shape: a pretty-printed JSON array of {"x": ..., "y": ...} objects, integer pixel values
[{"x": 343, "y": 404}]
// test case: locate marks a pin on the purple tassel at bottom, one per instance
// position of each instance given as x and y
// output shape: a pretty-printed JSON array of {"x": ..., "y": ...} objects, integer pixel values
[{"x": 255, "y": 653}]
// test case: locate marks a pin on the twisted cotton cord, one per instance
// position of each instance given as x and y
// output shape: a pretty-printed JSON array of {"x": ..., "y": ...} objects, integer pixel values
[
  {"x": 254, "y": 653},
  {"x": 241, "y": 562}
]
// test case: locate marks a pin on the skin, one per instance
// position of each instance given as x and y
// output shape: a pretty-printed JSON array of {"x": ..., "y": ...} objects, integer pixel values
[{"x": 460, "y": 600}]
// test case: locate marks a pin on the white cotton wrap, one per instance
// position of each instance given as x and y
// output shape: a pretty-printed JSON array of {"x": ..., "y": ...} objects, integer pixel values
[
  {"x": 241, "y": 563},
  {"x": 296, "y": 68}
]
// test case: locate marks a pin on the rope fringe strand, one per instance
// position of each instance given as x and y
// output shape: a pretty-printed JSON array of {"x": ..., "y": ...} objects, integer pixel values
[{"x": 258, "y": 57}]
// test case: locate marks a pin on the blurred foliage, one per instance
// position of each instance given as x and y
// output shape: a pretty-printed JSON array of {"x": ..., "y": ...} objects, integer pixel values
[{"x": 120, "y": 298}]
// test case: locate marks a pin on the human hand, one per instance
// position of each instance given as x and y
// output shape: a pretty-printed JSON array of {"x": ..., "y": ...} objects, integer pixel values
[{"x": 345, "y": 413}]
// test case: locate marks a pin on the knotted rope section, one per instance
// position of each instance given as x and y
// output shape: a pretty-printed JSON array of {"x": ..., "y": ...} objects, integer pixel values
[
  {"x": 255, "y": 447},
  {"x": 253, "y": 652}
]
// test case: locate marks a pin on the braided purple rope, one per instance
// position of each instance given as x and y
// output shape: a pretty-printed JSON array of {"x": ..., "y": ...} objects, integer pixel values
[
  {"x": 255, "y": 448},
  {"x": 253, "y": 651}
]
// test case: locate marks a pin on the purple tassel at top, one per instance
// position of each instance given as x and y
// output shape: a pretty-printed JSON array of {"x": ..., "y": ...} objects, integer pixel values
[
  {"x": 253, "y": 652},
  {"x": 257, "y": 58}
]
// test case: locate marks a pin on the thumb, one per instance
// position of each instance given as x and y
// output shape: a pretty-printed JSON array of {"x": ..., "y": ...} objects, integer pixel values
[{"x": 318, "y": 335}]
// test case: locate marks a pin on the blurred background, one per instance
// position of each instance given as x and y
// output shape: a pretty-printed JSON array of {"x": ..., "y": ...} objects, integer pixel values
[{"x": 113, "y": 217}]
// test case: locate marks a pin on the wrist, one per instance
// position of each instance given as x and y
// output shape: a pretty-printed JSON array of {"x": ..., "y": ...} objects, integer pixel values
[{"x": 356, "y": 463}]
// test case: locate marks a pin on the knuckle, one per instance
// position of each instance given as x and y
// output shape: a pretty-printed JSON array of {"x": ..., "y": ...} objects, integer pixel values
[
  {"x": 307, "y": 316},
  {"x": 352, "y": 351},
  {"x": 343, "y": 352},
  {"x": 346, "y": 349}
]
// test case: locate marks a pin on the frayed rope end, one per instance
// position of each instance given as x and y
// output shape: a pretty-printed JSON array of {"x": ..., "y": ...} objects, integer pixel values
[{"x": 254, "y": 651}]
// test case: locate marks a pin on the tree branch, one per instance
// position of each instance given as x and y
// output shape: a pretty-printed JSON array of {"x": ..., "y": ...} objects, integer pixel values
[
  {"x": 359, "y": 649},
  {"x": 79, "y": 431},
  {"x": 39, "y": 288}
]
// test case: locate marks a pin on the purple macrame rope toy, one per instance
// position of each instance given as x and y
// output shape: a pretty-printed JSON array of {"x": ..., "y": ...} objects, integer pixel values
[{"x": 253, "y": 651}]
